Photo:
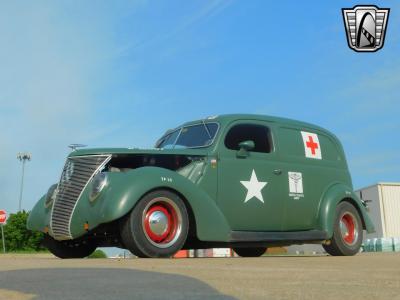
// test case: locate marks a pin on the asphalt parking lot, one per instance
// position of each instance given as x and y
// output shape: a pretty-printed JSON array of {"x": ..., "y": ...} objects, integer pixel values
[{"x": 365, "y": 276}]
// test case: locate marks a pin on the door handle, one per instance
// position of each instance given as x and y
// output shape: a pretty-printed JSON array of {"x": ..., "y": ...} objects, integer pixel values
[{"x": 277, "y": 172}]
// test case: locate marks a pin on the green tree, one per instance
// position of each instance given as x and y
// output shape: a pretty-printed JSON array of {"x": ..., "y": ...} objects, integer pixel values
[
  {"x": 98, "y": 254},
  {"x": 18, "y": 237}
]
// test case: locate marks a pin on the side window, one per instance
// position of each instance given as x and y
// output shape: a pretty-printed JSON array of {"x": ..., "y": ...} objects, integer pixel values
[{"x": 260, "y": 135}]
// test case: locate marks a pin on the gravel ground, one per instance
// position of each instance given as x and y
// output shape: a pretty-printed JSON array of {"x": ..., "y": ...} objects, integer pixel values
[{"x": 365, "y": 276}]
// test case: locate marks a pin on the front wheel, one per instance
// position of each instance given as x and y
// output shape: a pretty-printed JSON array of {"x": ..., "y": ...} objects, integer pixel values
[
  {"x": 250, "y": 252},
  {"x": 347, "y": 231},
  {"x": 157, "y": 226},
  {"x": 66, "y": 249}
]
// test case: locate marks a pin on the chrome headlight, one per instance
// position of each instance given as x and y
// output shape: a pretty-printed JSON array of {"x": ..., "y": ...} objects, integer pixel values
[
  {"x": 51, "y": 196},
  {"x": 98, "y": 183}
]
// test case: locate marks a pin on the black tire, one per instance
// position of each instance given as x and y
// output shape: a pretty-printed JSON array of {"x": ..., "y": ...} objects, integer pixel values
[
  {"x": 347, "y": 231},
  {"x": 250, "y": 252},
  {"x": 157, "y": 226},
  {"x": 66, "y": 249}
]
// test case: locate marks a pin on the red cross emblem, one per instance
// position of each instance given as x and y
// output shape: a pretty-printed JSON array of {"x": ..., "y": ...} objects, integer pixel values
[
  {"x": 311, "y": 144},
  {"x": 312, "y": 148}
]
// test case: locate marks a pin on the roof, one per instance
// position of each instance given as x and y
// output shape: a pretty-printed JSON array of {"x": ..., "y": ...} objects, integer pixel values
[{"x": 227, "y": 118}]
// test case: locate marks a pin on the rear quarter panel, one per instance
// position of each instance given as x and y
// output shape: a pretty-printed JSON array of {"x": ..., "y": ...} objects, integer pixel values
[
  {"x": 331, "y": 198},
  {"x": 317, "y": 174}
]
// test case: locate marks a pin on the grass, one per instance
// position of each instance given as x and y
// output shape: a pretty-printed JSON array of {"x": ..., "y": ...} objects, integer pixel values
[{"x": 97, "y": 254}]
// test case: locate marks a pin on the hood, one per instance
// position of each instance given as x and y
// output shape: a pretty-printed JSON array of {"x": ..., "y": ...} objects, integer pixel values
[{"x": 124, "y": 151}]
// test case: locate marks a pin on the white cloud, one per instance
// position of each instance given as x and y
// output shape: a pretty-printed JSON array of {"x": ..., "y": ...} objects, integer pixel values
[{"x": 207, "y": 10}]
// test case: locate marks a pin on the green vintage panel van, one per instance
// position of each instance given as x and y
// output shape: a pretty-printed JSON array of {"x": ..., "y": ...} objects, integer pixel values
[{"x": 243, "y": 181}]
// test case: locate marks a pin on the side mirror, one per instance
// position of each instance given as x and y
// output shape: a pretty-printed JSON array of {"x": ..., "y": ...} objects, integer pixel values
[{"x": 245, "y": 146}]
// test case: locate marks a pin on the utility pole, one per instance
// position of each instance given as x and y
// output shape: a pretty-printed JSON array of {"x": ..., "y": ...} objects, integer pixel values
[{"x": 23, "y": 157}]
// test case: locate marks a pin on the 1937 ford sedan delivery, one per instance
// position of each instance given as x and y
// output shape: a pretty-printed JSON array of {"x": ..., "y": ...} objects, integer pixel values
[{"x": 242, "y": 181}]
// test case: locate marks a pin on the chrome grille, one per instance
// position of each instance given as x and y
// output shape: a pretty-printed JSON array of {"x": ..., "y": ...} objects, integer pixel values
[{"x": 75, "y": 176}]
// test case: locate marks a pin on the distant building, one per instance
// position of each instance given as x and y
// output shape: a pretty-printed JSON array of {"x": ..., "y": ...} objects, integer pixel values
[{"x": 384, "y": 208}]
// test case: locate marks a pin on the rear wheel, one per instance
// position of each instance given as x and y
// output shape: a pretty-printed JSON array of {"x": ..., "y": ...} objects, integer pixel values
[
  {"x": 250, "y": 252},
  {"x": 69, "y": 249},
  {"x": 157, "y": 226},
  {"x": 347, "y": 231}
]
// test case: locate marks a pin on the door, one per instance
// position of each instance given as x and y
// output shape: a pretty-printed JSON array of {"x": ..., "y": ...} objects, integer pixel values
[
  {"x": 311, "y": 163},
  {"x": 250, "y": 181}
]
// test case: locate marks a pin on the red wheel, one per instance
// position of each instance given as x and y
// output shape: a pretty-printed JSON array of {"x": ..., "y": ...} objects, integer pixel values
[
  {"x": 162, "y": 222},
  {"x": 157, "y": 226},
  {"x": 347, "y": 231},
  {"x": 348, "y": 228}
]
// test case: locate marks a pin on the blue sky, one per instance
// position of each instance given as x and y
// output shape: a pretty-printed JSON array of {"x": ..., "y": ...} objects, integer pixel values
[{"x": 119, "y": 73}]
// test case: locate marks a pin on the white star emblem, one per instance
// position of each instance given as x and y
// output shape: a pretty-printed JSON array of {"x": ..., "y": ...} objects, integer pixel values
[{"x": 254, "y": 187}]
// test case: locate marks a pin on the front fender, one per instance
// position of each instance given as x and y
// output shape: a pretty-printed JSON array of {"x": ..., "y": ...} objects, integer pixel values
[
  {"x": 39, "y": 216},
  {"x": 330, "y": 199},
  {"x": 124, "y": 190}
]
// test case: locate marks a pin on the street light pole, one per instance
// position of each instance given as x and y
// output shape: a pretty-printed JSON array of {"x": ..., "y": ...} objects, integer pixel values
[{"x": 23, "y": 157}]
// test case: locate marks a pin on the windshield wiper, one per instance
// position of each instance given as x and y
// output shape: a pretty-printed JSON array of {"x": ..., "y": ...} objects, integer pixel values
[{"x": 208, "y": 131}]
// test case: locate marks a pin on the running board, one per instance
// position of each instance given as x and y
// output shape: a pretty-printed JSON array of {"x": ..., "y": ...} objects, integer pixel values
[{"x": 277, "y": 236}]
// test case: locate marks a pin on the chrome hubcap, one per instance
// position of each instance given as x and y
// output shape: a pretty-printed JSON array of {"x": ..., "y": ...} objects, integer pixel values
[
  {"x": 158, "y": 222},
  {"x": 349, "y": 229},
  {"x": 343, "y": 229}
]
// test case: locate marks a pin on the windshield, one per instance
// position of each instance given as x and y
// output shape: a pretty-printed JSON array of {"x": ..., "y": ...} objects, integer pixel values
[{"x": 193, "y": 136}]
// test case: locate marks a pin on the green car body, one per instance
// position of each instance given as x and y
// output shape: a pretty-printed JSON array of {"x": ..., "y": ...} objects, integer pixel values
[{"x": 280, "y": 190}]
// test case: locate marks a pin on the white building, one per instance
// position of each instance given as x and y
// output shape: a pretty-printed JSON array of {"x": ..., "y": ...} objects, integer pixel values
[{"x": 384, "y": 208}]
